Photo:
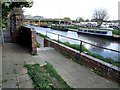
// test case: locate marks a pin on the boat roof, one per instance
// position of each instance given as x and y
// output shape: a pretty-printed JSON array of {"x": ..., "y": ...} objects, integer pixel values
[{"x": 94, "y": 29}]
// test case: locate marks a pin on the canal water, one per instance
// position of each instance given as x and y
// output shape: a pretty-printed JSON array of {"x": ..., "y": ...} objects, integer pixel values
[{"x": 100, "y": 41}]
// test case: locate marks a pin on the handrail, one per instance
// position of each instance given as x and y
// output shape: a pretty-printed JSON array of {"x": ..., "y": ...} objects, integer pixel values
[{"x": 82, "y": 41}]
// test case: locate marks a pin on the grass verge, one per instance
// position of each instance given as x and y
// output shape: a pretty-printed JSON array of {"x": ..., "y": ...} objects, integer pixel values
[
  {"x": 45, "y": 77},
  {"x": 77, "y": 47},
  {"x": 38, "y": 45},
  {"x": 116, "y": 32},
  {"x": 41, "y": 35}
]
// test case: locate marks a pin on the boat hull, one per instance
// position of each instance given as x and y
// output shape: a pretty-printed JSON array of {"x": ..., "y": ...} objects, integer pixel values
[{"x": 96, "y": 32}]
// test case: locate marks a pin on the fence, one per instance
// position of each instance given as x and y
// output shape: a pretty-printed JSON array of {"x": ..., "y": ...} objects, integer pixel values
[{"x": 81, "y": 41}]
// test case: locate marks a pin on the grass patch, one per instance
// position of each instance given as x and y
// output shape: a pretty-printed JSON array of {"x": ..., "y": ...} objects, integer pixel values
[
  {"x": 99, "y": 72},
  {"x": 38, "y": 44},
  {"x": 33, "y": 53},
  {"x": 45, "y": 77},
  {"x": 3, "y": 81},
  {"x": 41, "y": 35}
]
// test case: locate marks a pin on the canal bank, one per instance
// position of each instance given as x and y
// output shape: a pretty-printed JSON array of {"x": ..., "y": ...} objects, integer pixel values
[{"x": 100, "y": 41}]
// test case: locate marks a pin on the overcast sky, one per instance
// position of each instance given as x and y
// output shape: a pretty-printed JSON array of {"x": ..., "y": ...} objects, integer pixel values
[{"x": 72, "y": 8}]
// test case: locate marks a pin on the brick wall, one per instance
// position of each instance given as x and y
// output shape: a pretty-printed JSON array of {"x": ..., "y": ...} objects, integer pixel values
[
  {"x": 27, "y": 38},
  {"x": 110, "y": 71}
]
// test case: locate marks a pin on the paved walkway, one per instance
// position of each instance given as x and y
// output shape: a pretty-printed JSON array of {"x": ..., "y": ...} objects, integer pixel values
[
  {"x": 14, "y": 75},
  {"x": 0, "y": 66}
]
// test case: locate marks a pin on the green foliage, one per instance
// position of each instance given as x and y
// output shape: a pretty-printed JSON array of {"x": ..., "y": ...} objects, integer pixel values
[
  {"x": 49, "y": 69},
  {"x": 116, "y": 32},
  {"x": 41, "y": 35},
  {"x": 99, "y": 72},
  {"x": 8, "y": 6},
  {"x": 38, "y": 45},
  {"x": 44, "y": 77},
  {"x": 75, "y": 27},
  {"x": 34, "y": 53},
  {"x": 66, "y": 18}
]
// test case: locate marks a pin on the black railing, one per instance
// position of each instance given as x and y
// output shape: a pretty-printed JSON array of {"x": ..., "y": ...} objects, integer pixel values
[{"x": 81, "y": 42}]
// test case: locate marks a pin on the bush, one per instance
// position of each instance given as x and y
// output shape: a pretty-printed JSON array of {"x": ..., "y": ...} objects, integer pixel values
[{"x": 116, "y": 32}]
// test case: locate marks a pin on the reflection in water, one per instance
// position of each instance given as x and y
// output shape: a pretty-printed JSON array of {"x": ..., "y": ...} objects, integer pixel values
[{"x": 103, "y": 42}]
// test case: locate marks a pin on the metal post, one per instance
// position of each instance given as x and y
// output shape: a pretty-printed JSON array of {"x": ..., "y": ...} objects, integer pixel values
[
  {"x": 58, "y": 38},
  {"x": 80, "y": 46},
  {"x": 46, "y": 33}
]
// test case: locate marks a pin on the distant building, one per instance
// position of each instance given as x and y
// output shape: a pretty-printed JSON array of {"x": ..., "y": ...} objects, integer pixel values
[
  {"x": 37, "y": 17},
  {"x": 89, "y": 24},
  {"x": 33, "y": 17}
]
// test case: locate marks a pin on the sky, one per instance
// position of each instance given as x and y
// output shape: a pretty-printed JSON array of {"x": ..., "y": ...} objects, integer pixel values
[{"x": 72, "y": 8}]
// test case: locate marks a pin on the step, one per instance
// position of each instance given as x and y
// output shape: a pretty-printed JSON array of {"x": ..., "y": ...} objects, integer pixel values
[{"x": 44, "y": 49}]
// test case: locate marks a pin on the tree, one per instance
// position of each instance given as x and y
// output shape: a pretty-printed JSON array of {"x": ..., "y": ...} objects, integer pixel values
[
  {"x": 79, "y": 19},
  {"x": 87, "y": 20},
  {"x": 99, "y": 16},
  {"x": 66, "y": 18},
  {"x": 8, "y": 6}
]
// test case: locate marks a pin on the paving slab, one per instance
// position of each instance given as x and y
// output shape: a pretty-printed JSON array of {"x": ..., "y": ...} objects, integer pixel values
[
  {"x": 13, "y": 70},
  {"x": 0, "y": 66}
]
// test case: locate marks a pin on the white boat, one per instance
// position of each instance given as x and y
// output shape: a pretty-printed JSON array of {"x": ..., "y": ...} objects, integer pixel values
[{"x": 95, "y": 32}]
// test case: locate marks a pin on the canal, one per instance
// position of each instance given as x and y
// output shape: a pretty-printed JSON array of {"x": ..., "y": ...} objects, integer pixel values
[{"x": 100, "y": 41}]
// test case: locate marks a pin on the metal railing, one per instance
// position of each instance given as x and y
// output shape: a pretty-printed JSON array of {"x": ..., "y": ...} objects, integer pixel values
[{"x": 81, "y": 42}]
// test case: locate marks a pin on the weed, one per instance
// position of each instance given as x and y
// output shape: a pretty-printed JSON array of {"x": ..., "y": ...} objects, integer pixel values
[
  {"x": 44, "y": 77},
  {"x": 38, "y": 45},
  {"x": 3, "y": 81}
]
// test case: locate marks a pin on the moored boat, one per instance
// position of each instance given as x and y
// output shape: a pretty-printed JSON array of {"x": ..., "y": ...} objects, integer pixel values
[
  {"x": 95, "y": 32},
  {"x": 58, "y": 27}
]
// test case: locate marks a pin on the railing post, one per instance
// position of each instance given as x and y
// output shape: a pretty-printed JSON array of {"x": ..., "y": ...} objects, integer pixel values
[
  {"x": 80, "y": 46},
  {"x": 58, "y": 38},
  {"x": 46, "y": 33}
]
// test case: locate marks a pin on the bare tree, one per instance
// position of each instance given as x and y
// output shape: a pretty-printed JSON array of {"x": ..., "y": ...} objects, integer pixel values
[{"x": 100, "y": 15}]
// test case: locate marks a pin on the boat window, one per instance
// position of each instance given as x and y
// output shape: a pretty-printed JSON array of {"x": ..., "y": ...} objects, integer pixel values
[
  {"x": 80, "y": 30},
  {"x": 98, "y": 32},
  {"x": 104, "y": 32}
]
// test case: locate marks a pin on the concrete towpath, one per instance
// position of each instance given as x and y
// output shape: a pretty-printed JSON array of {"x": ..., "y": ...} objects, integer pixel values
[{"x": 75, "y": 75}]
